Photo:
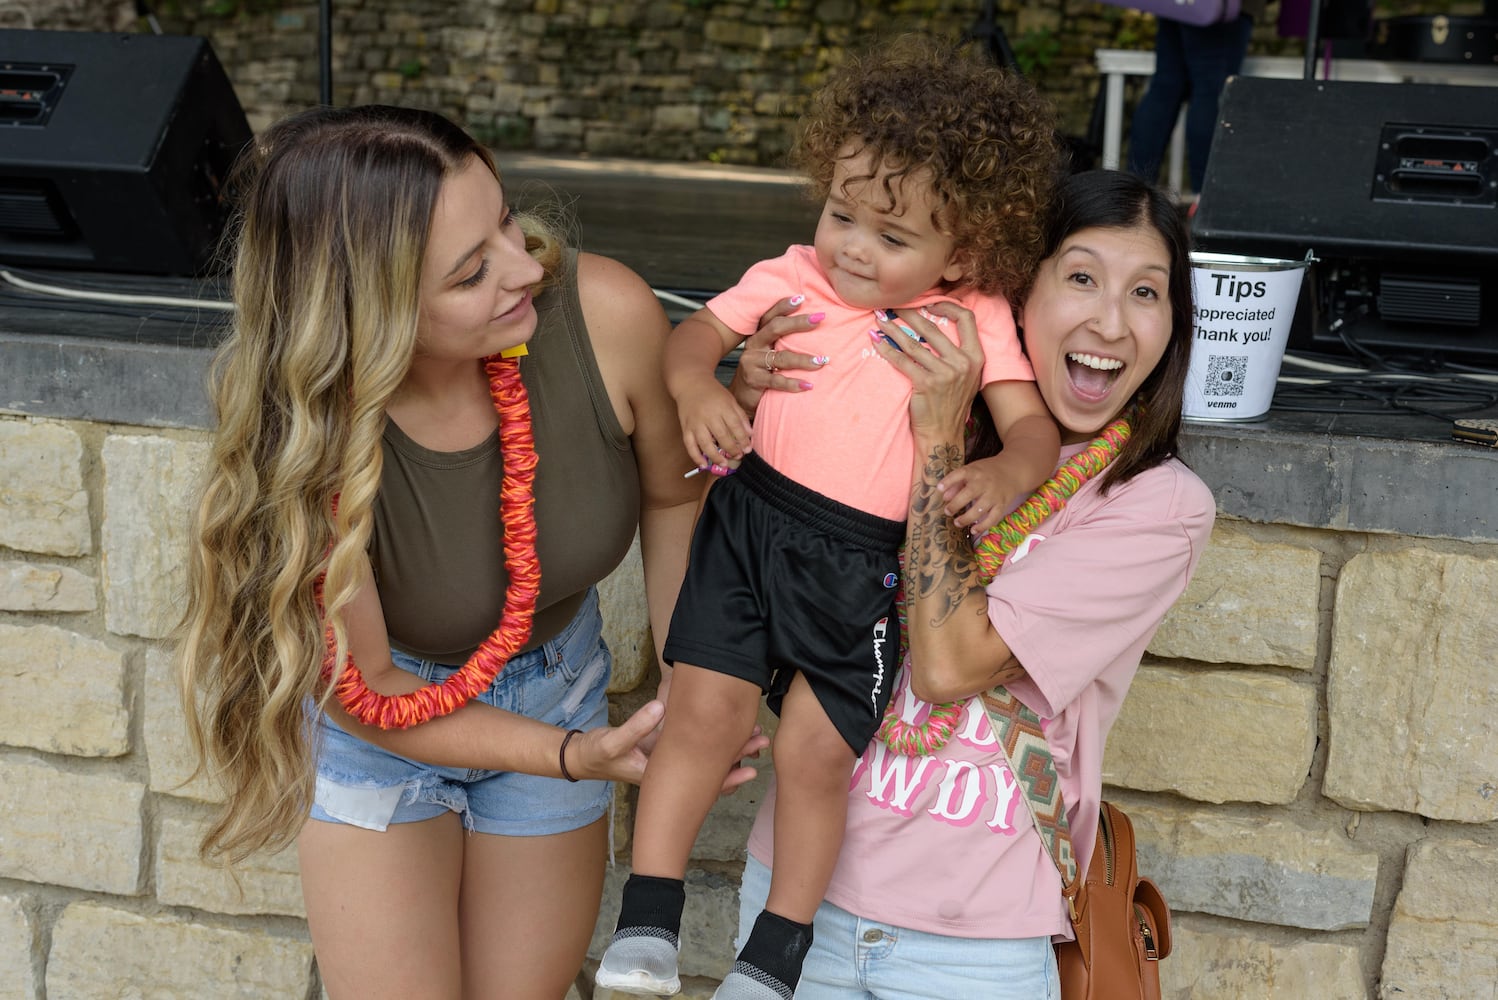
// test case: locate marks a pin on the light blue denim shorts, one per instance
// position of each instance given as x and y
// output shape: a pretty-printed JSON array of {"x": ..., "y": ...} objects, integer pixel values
[
  {"x": 856, "y": 959},
  {"x": 562, "y": 682}
]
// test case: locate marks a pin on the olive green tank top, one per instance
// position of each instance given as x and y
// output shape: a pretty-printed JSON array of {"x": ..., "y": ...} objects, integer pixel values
[{"x": 437, "y": 542}]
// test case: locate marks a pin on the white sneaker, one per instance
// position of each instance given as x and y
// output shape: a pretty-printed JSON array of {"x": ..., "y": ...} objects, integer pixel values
[{"x": 642, "y": 965}]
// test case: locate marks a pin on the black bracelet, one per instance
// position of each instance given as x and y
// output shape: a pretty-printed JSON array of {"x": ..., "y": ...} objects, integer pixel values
[{"x": 562, "y": 753}]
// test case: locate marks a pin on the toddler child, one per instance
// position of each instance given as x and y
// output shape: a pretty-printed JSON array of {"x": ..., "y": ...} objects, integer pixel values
[{"x": 933, "y": 167}]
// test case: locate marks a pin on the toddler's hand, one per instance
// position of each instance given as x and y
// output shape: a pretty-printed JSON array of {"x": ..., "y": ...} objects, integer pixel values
[
  {"x": 979, "y": 494},
  {"x": 713, "y": 428}
]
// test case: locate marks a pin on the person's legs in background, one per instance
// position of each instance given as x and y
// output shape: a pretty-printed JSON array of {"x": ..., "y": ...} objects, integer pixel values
[
  {"x": 1212, "y": 54},
  {"x": 1155, "y": 117}
]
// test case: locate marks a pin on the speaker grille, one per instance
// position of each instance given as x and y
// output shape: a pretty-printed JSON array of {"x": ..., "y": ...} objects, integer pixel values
[
  {"x": 1421, "y": 299},
  {"x": 29, "y": 210},
  {"x": 29, "y": 91}
]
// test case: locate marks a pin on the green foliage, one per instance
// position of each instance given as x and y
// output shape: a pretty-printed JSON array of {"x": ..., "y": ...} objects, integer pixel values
[
  {"x": 410, "y": 68},
  {"x": 1035, "y": 50},
  {"x": 1132, "y": 29}
]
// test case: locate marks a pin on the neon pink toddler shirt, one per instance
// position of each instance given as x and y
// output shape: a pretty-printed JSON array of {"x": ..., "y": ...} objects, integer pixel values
[{"x": 848, "y": 438}]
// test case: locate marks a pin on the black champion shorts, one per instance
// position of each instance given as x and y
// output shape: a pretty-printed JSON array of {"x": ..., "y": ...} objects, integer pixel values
[{"x": 782, "y": 579}]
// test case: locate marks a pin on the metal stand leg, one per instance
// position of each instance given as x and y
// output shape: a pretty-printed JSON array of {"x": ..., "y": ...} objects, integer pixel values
[{"x": 1113, "y": 121}]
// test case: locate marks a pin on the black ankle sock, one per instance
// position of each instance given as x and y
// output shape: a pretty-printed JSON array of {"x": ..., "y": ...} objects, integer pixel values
[
  {"x": 652, "y": 902},
  {"x": 777, "y": 947}
]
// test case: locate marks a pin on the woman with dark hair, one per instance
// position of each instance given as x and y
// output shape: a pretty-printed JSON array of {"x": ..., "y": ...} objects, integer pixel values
[{"x": 944, "y": 887}]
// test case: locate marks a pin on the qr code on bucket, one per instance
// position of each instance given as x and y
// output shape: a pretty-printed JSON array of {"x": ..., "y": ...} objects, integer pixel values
[{"x": 1225, "y": 375}]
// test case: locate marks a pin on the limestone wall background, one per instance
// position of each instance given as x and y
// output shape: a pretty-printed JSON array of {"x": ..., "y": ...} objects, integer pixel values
[
  {"x": 1310, "y": 754},
  {"x": 693, "y": 80},
  {"x": 689, "y": 80}
]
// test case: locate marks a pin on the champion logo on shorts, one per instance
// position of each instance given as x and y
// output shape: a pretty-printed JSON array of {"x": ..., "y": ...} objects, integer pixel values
[
  {"x": 891, "y": 580},
  {"x": 881, "y": 630}
]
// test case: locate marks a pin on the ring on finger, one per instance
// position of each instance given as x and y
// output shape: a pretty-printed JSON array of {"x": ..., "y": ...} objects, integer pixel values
[{"x": 770, "y": 360}]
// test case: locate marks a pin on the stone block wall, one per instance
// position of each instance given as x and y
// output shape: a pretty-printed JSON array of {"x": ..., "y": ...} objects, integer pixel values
[
  {"x": 687, "y": 80},
  {"x": 1310, "y": 755},
  {"x": 680, "y": 80}
]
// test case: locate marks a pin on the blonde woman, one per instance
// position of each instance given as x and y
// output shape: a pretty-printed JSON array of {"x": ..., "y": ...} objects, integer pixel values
[{"x": 392, "y": 626}]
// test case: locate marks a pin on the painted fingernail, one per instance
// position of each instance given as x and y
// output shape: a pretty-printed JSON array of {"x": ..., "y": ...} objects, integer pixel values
[
  {"x": 821, "y": 359},
  {"x": 796, "y": 300},
  {"x": 881, "y": 315},
  {"x": 816, "y": 317},
  {"x": 804, "y": 385}
]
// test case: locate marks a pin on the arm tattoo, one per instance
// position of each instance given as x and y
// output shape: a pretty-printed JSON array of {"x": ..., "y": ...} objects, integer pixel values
[{"x": 940, "y": 571}]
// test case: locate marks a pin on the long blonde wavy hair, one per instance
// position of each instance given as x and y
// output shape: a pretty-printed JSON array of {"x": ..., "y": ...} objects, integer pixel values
[{"x": 335, "y": 209}]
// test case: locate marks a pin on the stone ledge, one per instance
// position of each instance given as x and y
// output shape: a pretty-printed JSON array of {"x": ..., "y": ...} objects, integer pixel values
[
  {"x": 1302, "y": 469},
  {"x": 1292, "y": 468},
  {"x": 85, "y": 378}
]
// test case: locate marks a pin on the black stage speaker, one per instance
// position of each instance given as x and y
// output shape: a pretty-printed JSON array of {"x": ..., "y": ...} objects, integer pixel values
[
  {"x": 113, "y": 150},
  {"x": 1393, "y": 187}
]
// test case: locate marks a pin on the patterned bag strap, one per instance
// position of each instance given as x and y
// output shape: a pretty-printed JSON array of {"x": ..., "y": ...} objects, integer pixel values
[{"x": 1019, "y": 735}]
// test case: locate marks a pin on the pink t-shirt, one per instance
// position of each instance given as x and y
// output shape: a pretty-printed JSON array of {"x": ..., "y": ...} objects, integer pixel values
[
  {"x": 945, "y": 843},
  {"x": 849, "y": 437}
]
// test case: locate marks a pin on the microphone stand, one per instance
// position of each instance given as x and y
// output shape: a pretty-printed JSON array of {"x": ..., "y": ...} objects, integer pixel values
[{"x": 325, "y": 51}]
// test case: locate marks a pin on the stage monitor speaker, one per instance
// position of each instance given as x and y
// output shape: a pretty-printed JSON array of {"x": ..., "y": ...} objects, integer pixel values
[
  {"x": 1393, "y": 187},
  {"x": 114, "y": 150}
]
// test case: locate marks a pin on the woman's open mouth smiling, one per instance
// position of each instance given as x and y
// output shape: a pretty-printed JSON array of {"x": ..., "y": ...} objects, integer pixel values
[{"x": 1091, "y": 375}]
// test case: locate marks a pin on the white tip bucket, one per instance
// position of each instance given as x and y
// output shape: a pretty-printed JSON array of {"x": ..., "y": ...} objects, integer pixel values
[{"x": 1243, "y": 309}]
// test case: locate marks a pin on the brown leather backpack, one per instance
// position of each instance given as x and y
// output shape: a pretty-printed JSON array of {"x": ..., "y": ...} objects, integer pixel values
[{"x": 1121, "y": 922}]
